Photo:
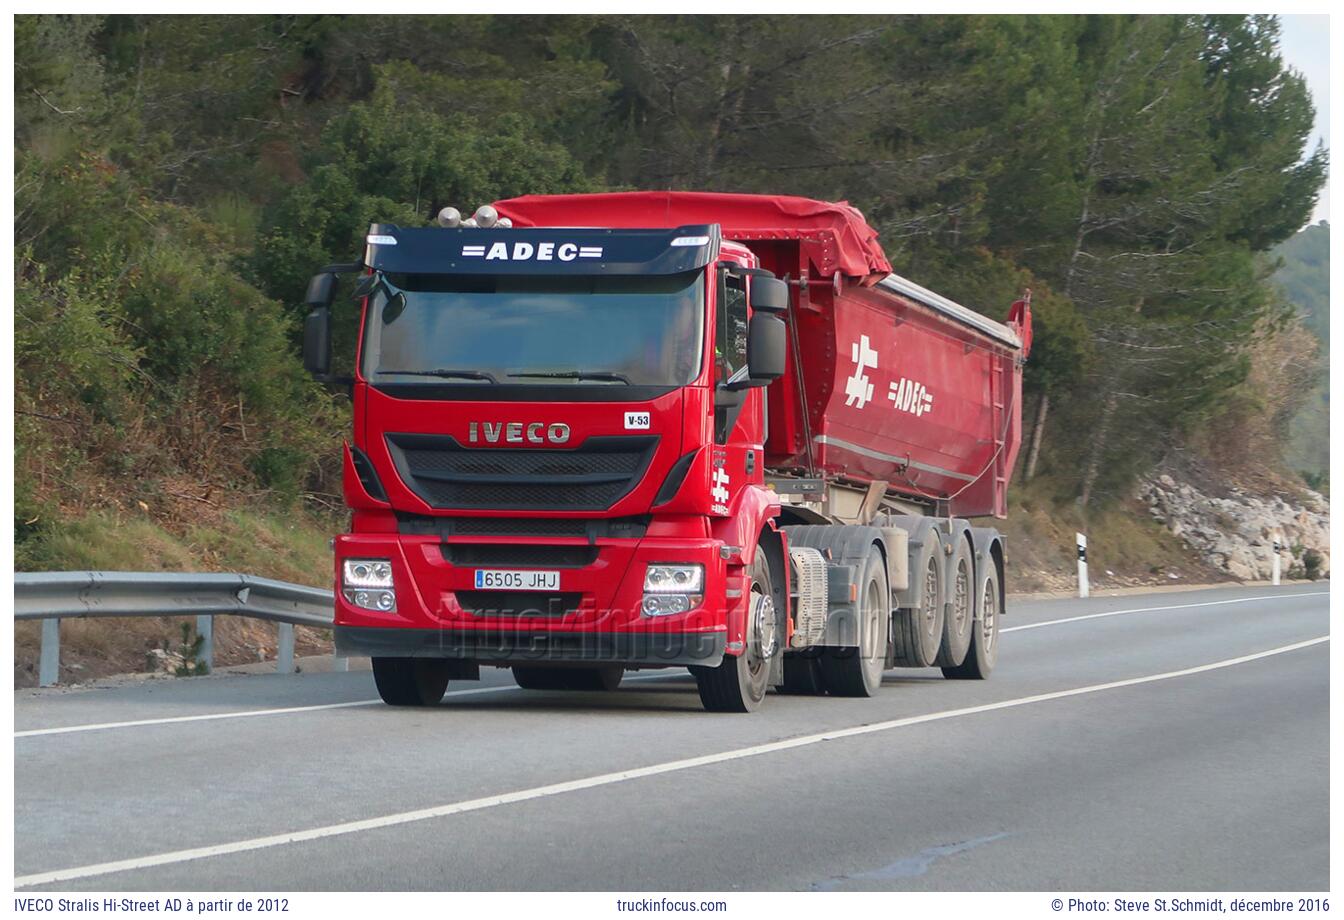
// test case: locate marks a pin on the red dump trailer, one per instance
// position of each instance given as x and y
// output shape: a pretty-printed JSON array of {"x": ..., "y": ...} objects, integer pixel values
[{"x": 596, "y": 433}]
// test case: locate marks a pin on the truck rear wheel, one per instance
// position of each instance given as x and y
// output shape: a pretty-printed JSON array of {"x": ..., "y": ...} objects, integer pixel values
[
  {"x": 984, "y": 653},
  {"x": 739, "y": 683},
  {"x": 857, "y": 670},
  {"x": 959, "y": 611},
  {"x": 918, "y": 631},
  {"x": 535, "y": 677},
  {"x": 410, "y": 681}
]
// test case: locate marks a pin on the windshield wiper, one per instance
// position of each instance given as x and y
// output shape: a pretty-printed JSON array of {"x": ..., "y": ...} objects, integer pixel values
[
  {"x": 446, "y": 372},
  {"x": 610, "y": 376}
]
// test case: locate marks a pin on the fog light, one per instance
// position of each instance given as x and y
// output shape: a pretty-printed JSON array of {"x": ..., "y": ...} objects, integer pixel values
[
  {"x": 385, "y": 601},
  {"x": 662, "y": 605}
]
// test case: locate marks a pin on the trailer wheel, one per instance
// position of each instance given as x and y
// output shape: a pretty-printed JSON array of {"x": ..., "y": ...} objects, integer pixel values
[
  {"x": 857, "y": 670},
  {"x": 984, "y": 651},
  {"x": 410, "y": 681},
  {"x": 959, "y": 611},
  {"x": 918, "y": 631},
  {"x": 739, "y": 683},
  {"x": 536, "y": 677}
]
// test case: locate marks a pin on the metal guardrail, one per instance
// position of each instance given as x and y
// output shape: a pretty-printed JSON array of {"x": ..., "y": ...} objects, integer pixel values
[{"x": 53, "y": 596}]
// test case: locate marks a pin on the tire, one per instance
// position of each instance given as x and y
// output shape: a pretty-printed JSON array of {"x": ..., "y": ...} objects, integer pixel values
[
  {"x": 857, "y": 670},
  {"x": 984, "y": 651},
  {"x": 537, "y": 677},
  {"x": 739, "y": 683},
  {"x": 959, "y": 610},
  {"x": 917, "y": 632},
  {"x": 411, "y": 681}
]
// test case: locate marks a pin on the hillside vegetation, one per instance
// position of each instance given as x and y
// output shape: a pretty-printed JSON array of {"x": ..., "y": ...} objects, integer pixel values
[
  {"x": 1304, "y": 278},
  {"x": 177, "y": 180}
]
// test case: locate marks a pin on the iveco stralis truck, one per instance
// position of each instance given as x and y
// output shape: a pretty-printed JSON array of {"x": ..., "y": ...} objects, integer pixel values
[{"x": 611, "y": 432}]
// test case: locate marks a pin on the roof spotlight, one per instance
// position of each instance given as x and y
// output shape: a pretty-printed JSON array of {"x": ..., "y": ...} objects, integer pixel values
[
  {"x": 450, "y": 217},
  {"x": 486, "y": 216},
  {"x": 469, "y": 222},
  {"x": 504, "y": 222}
]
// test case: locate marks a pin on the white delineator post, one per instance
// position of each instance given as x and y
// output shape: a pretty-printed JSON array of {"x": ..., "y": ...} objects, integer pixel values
[
  {"x": 1082, "y": 564},
  {"x": 1276, "y": 561}
]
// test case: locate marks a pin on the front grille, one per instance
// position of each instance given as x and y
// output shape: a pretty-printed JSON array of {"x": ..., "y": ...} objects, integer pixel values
[
  {"x": 519, "y": 603},
  {"x": 587, "y": 528},
  {"x": 521, "y": 527},
  {"x": 549, "y": 557},
  {"x": 590, "y": 477}
]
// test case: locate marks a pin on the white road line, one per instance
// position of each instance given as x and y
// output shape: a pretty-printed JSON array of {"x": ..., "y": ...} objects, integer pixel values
[
  {"x": 607, "y": 779},
  {"x": 244, "y": 714},
  {"x": 168, "y": 720},
  {"x": 1116, "y": 613}
]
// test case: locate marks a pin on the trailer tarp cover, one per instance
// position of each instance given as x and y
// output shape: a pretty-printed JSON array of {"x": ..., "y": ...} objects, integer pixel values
[{"x": 848, "y": 244}]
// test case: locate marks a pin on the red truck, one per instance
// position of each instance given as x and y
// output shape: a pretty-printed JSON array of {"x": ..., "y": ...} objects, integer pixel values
[{"x": 610, "y": 432}]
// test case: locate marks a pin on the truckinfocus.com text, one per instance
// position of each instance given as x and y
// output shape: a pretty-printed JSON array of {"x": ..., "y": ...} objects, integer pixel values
[{"x": 653, "y": 905}]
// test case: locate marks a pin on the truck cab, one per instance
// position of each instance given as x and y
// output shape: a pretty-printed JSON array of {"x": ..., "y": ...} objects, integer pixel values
[
  {"x": 578, "y": 451},
  {"x": 556, "y": 432}
]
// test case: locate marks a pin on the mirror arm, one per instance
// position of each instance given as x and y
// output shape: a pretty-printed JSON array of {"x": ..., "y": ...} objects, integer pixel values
[{"x": 728, "y": 397}]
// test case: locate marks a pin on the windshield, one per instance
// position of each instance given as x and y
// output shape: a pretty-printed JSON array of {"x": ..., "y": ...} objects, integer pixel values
[{"x": 626, "y": 330}]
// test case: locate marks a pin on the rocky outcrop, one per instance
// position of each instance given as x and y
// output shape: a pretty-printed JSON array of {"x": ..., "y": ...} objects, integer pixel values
[{"x": 1236, "y": 533}]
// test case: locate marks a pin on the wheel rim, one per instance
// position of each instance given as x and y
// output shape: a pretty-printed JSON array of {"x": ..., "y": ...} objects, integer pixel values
[
  {"x": 989, "y": 620},
  {"x": 763, "y": 626},
  {"x": 872, "y": 628},
  {"x": 961, "y": 598},
  {"x": 928, "y": 613}
]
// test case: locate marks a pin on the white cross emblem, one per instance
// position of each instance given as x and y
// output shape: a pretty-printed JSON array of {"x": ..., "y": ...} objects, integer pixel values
[
  {"x": 858, "y": 388},
  {"x": 720, "y": 491}
]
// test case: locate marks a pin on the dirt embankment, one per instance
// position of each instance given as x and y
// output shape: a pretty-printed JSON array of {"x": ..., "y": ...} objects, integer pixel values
[{"x": 224, "y": 533}]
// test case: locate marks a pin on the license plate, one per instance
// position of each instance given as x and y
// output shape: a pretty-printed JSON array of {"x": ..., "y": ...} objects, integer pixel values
[{"x": 517, "y": 580}]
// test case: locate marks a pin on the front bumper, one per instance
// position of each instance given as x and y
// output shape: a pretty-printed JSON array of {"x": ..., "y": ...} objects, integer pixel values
[
  {"x": 440, "y": 614},
  {"x": 533, "y": 646}
]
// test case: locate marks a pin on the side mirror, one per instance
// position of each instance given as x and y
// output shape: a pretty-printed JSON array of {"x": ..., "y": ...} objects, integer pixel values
[
  {"x": 317, "y": 339},
  {"x": 766, "y": 347},
  {"x": 321, "y": 290},
  {"x": 769, "y": 295}
]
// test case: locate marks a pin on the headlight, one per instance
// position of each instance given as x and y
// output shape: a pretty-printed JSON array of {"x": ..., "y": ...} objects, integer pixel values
[
  {"x": 671, "y": 589},
  {"x": 684, "y": 579},
  {"x": 367, "y": 573}
]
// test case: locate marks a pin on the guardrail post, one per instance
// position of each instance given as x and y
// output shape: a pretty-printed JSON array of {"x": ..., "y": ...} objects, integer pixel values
[
  {"x": 284, "y": 656},
  {"x": 49, "y": 659},
  {"x": 205, "y": 628}
]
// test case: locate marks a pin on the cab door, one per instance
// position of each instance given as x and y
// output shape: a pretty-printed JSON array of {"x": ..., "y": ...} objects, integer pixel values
[{"x": 739, "y": 435}]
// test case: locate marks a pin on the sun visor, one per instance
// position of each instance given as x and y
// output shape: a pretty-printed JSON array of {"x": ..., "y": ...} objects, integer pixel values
[{"x": 540, "y": 251}]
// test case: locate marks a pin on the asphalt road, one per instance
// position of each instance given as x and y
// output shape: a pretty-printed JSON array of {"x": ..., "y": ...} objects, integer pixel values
[{"x": 1165, "y": 741}]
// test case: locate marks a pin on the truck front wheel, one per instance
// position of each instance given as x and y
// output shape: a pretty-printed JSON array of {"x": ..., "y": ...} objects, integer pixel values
[
  {"x": 739, "y": 683},
  {"x": 410, "y": 681}
]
